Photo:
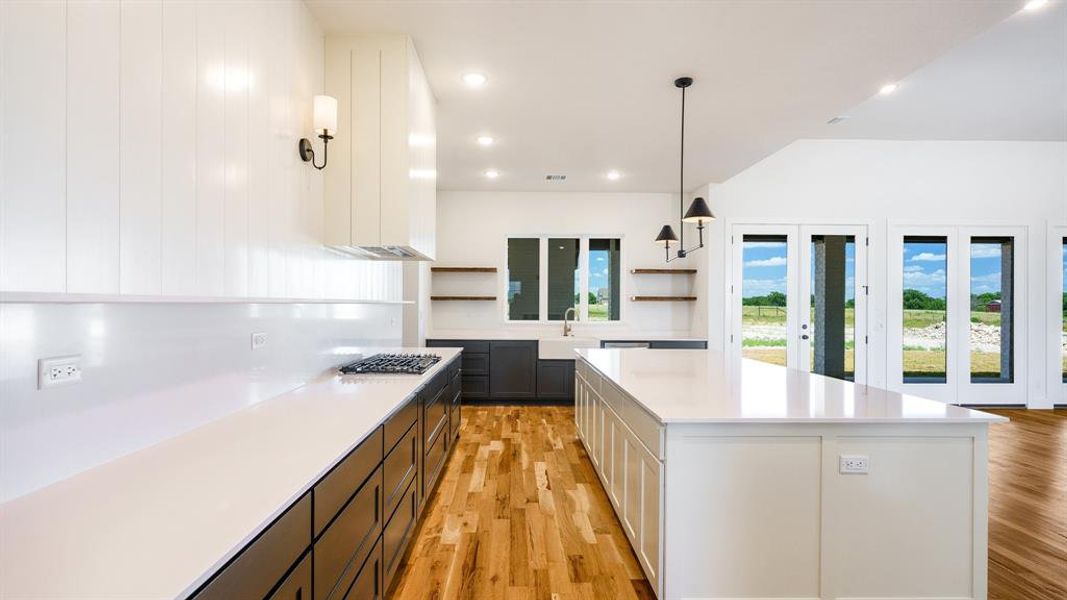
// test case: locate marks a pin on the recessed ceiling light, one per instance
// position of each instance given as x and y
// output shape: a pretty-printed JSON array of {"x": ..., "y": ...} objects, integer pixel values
[
  {"x": 1035, "y": 4},
  {"x": 485, "y": 140},
  {"x": 887, "y": 89},
  {"x": 475, "y": 80},
  {"x": 492, "y": 174},
  {"x": 613, "y": 175}
]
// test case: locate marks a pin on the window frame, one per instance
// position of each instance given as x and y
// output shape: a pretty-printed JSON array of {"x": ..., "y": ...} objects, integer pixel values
[{"x": 583, "y": 272}]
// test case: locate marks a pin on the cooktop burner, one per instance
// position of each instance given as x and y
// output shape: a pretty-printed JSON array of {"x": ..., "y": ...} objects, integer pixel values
[{"x": 413, "y": 364}]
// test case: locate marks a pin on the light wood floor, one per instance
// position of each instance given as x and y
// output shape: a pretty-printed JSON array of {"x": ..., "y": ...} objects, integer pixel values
[
  {"x": 1028, "y": 506},
  {"x": 521, "y": 514}
]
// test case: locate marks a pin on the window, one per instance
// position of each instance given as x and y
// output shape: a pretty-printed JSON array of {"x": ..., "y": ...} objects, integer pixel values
[
  {"x": 579, "y": 273},
  {"x": 764, "y": 298},
  {"x": 524, "y": 269},
  {"x": 563, "y": 277},
  {"x": 604, "y": 269},
  {"x": 992, "y": 309},
  {"x": 925, "y": 305}
]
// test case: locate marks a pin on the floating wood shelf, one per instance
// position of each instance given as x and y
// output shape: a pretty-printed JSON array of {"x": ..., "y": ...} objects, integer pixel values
[
  {"x": 463, "y": 269},
  {"x": 663, "y": 298},
  {"x": 464, "y": 298},
  {"x": 663, "y": 271}
]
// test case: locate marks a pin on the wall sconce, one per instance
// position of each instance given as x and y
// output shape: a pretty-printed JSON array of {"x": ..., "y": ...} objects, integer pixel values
[{"x": 325, "y": 123}]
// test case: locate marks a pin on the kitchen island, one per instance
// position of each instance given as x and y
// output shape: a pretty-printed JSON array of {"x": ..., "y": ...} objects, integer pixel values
[{"x": 739, "y": 479}]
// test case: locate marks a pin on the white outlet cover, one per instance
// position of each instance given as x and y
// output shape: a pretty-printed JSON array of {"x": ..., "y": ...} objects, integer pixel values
[
  {"x": 259, "y": 340},
  {"x": 58, "y": 370},
  {"x": 854, "y": 464}
]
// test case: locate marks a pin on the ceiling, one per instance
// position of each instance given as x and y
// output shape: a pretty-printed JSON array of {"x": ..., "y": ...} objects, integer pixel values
[
  {"x": 582, "y": 87},
  {"x": 1009, "y": 83}
]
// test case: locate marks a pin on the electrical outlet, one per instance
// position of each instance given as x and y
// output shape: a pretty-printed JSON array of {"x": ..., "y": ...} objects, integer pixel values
[
  {"x": 58, "y": 370},
  {"x": 854, "y": 464},
  {"x": 259, "y": 340}
]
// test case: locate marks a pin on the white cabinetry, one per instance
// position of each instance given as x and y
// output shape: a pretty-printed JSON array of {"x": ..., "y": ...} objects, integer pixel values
[
  {"x": 381, "y": 186},
  {"x": 630, "y": 472}
]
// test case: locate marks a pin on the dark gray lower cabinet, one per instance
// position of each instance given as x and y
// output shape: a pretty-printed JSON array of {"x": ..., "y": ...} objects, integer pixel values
[
  {"x": 513, "y": 370},
  {"x": 347, "y": 537},
  {"x": 297, "y": 586},
  {"x": 555, "y": 379}
]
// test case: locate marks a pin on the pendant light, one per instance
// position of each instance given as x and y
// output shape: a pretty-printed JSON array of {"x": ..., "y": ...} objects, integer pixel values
[{"x": 698, "y": 212}]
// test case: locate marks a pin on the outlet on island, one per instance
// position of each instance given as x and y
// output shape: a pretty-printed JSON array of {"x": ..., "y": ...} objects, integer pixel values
[{"x": 854, "y": 464}]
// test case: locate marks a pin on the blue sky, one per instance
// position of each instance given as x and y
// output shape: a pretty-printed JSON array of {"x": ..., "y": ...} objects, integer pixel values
[
  {"x": 924, "y": 268},
  {"x": 765, "y": 265},
  {"x": 598, "y": 270}
]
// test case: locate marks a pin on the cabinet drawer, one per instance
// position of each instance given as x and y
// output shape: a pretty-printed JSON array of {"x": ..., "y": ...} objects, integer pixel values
[
  {"x": 398, "y": 532},
  {"x": 454, "y": 419},
  {"x": 434, "y": 418},
  {"x": 398, "y": 424},
  {"x": 340, "y": 483},
  {"x": 475, "y": 364},
  {"x": 297, "y": 586},
  {"x": 370, "y": 580},
  {"x": 431, "y": 465},
  {"x": 467, "y": 345},
  {"x": 400, "y": 468},
  {"x": 255, "y": 571},
  {"x": 474, "y": 386},
  {"x": 645, "y": 426},
  {"x": 347, "y": 542}
]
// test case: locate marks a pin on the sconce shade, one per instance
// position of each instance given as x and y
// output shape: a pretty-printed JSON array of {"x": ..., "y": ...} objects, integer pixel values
[
  {"x": 666, "y": 236},
  {"x": 325, "y": 115},
  {"x": 698, "y": 212}
]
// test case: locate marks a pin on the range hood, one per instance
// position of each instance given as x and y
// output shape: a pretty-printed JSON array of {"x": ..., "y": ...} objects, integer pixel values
[{"x": 381, "y": 183}]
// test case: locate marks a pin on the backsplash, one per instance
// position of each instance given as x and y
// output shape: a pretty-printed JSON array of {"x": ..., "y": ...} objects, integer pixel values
[{"x": 154, "y": 370}]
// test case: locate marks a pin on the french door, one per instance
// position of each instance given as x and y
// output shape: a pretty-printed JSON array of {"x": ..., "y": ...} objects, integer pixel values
[{"x": 798, "y": 297}]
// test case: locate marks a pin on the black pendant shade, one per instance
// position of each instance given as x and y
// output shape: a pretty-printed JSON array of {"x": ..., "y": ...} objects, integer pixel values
[
  {"x": 666, "y": 236},
  {"x": 698, "y": 212}
]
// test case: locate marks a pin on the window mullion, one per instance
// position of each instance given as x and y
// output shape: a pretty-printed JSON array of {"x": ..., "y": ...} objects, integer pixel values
[{"x": 583, "y": 270}]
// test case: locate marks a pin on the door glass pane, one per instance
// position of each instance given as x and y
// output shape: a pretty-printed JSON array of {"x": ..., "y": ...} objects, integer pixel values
[
  {"x": 604, "y": 279},
  {"x": 925, "y": 309},
  {"x": 1063, "y": 323},
  {"x": 563, "y": 282},
  {"x": 524, "y": 267},
  {"x": 763, "y": 298},
  {"x": 832, "y": 311},
  {"x": 992, "y": 310}
]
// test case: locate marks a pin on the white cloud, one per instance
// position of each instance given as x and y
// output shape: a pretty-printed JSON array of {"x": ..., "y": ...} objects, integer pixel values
[
  {"x": 762, "y": 287},
  {"x": 920, "y": 279},
  {"x": 913, "y": 268},
  {"x": 774, "y": 261},
  {"x": 989, "y": 282},
  {"x": 928, "y": 257},
  {"x": 985, "y": 251},
  {"x": 764, "y": 244}
]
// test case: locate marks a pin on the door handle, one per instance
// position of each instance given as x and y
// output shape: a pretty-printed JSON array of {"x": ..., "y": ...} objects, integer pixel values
[{"x": 804, "y": 337}]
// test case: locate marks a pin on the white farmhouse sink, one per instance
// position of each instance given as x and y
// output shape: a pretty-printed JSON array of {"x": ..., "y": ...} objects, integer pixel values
[{"x": 562, "y": 348}]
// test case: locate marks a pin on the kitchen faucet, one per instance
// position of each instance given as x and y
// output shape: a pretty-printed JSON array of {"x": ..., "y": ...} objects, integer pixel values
[{"x": 566, "y": 323}]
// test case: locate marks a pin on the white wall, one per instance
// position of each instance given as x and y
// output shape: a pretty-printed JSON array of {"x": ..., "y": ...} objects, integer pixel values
[
  {"x": 148, "y": 153},
  {"x": 155, "y": 370},
  {"x": 149, "y": 148},
  {"x": 887, "y": 183},
  {"x": 473, "y": 227}
]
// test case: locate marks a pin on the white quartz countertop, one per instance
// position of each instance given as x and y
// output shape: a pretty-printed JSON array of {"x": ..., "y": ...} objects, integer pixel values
[
  {"x": 159, "y": 522},
  {"x": 703, "y": 386},
  {"x": 555, "y": 331}
]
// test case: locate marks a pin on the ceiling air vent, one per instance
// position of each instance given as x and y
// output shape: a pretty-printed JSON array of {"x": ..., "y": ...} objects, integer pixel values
[{"x": 551, "y": 177}]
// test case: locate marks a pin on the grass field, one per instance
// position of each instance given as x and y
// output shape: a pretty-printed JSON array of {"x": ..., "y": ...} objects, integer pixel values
[{"x": 918, "y": 361}]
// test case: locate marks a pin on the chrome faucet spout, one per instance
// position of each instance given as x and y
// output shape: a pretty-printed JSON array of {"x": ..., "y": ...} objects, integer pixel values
[{"x": 567, "y": 328}]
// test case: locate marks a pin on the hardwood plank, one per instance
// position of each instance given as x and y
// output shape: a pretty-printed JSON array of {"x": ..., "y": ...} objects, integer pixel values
[{"x": 520, "y": 514}]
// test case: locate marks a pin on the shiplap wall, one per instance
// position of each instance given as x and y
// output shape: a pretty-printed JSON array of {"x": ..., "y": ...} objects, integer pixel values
[{"x": 149, "y": 148}]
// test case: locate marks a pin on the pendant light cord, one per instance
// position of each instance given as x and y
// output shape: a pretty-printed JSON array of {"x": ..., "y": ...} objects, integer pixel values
[{"x": 681, "y": 180}]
